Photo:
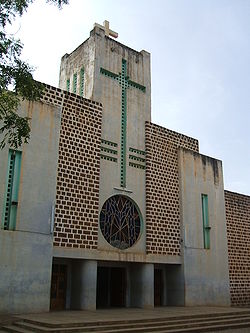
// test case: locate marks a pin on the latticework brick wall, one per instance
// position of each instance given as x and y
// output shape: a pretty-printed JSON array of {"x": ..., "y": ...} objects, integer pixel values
[
  {"x": 238, "y": 234},
  {"x": 77, "y": 193},
  {"x": 162, "y": 188}
]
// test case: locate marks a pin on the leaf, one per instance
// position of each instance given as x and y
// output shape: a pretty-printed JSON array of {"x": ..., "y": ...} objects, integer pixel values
[{"x": 15, "y": 74}]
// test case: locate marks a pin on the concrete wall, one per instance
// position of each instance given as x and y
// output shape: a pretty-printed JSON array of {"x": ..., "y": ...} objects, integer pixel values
[
  {"x": 205, "y": 270},
  {"x": 26, "y": 253}
]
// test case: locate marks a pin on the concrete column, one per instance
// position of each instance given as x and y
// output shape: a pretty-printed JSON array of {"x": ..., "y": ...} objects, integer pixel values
[
  {"x": 84, "y": 275},
  {"x": 142, "y": 285},
  {"x": 174, "y": 287}
]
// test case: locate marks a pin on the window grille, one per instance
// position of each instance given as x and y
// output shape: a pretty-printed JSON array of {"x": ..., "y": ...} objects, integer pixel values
[
  {"x": 205, "y": 219},
  {"x": 12, "y": 187}
]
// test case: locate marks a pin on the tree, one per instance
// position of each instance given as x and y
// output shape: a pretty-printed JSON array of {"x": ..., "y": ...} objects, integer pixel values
[{"x": 16, "y": 74}]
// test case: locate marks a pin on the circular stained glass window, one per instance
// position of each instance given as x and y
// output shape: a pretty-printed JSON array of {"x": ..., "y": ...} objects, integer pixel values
[{"x": 120, "y": 222}]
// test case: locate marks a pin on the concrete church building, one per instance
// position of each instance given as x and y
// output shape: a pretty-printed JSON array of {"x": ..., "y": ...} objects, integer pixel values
[{"x": 104, "y": 209}]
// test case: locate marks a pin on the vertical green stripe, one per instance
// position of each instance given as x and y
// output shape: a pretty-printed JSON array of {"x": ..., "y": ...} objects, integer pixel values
[
  {"x": 12, "y": 188},
  {"x": 123, "y": 137},
  {"x": 74, "y": 83},
  {"x": 7, "y": 194},
  {"x": 68, "y": 85},
  {"x": 205, "y": 218},
  {"x": 81, "y": 82},
  {"x": 15, "y": 190},
  {"x": 123, "y": 124}
]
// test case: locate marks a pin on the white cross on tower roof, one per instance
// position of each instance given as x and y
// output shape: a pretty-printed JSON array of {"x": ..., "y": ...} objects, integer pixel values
[{"x": 105, "y": 27}]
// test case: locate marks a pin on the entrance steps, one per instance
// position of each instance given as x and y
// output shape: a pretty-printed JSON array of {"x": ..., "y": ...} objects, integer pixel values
[{"x": 209, "y": 322}]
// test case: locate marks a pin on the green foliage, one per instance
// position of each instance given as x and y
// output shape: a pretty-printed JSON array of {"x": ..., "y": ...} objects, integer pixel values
[{"x": 16, "y": 74}]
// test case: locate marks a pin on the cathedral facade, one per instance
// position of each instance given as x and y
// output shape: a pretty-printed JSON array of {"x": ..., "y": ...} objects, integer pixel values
[{"x": 105, "y": 209}]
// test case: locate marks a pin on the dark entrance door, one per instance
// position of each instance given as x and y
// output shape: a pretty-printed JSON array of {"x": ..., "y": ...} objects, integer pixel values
[
  {"x": 158, "y": 287},
  {"x": 58, "y": 287},
  {"x": 117, "y": 287},
  {"x": 111, "y": 287},
  {"x": 102, "y": 292}
]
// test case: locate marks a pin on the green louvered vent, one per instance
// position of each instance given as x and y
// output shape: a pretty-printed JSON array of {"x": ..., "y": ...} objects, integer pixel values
[
  {"x": 74, "y": 83},
  {"x": 108, "y": 158},
  {"x": 81, "y": 89},
  {"x": 68, "y": 85},
  {"x": 205, "y": 219},
  {"x": 108, "y": 150},
  {"x": 125, "y": 83},
  {"x": 109, "y": 143},
  {"x": 137, "y": 151},
  {"x": 108, "y": 153},
  {"x": 136, "y": 165},
  {"x": 108, "y": 73},
  {"x": 12, "y": 187},
  {"x": 136, "y": 160}
]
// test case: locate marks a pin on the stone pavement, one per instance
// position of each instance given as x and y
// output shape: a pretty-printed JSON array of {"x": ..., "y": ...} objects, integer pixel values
[
  {"x": 66, "y": 317},
  {"x": 6, "y": 319},
  {"x": 126, "y": 313}
]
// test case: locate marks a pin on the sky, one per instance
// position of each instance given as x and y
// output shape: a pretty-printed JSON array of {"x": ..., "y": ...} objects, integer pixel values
[{"x": 200, "y": 56}]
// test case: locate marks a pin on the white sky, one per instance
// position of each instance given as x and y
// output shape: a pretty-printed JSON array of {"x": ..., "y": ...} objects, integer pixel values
[{"x": 200, "y": 53}]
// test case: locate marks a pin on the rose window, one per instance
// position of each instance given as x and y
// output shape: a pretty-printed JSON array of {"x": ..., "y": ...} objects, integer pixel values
[{"x": 120, "y": 222}]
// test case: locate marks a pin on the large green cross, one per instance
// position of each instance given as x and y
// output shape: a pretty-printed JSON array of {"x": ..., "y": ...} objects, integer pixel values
[{"x": 125, "y": 83}]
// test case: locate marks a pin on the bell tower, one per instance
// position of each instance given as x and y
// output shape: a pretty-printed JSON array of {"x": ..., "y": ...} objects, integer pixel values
[{"x": 104, "y": 70}]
